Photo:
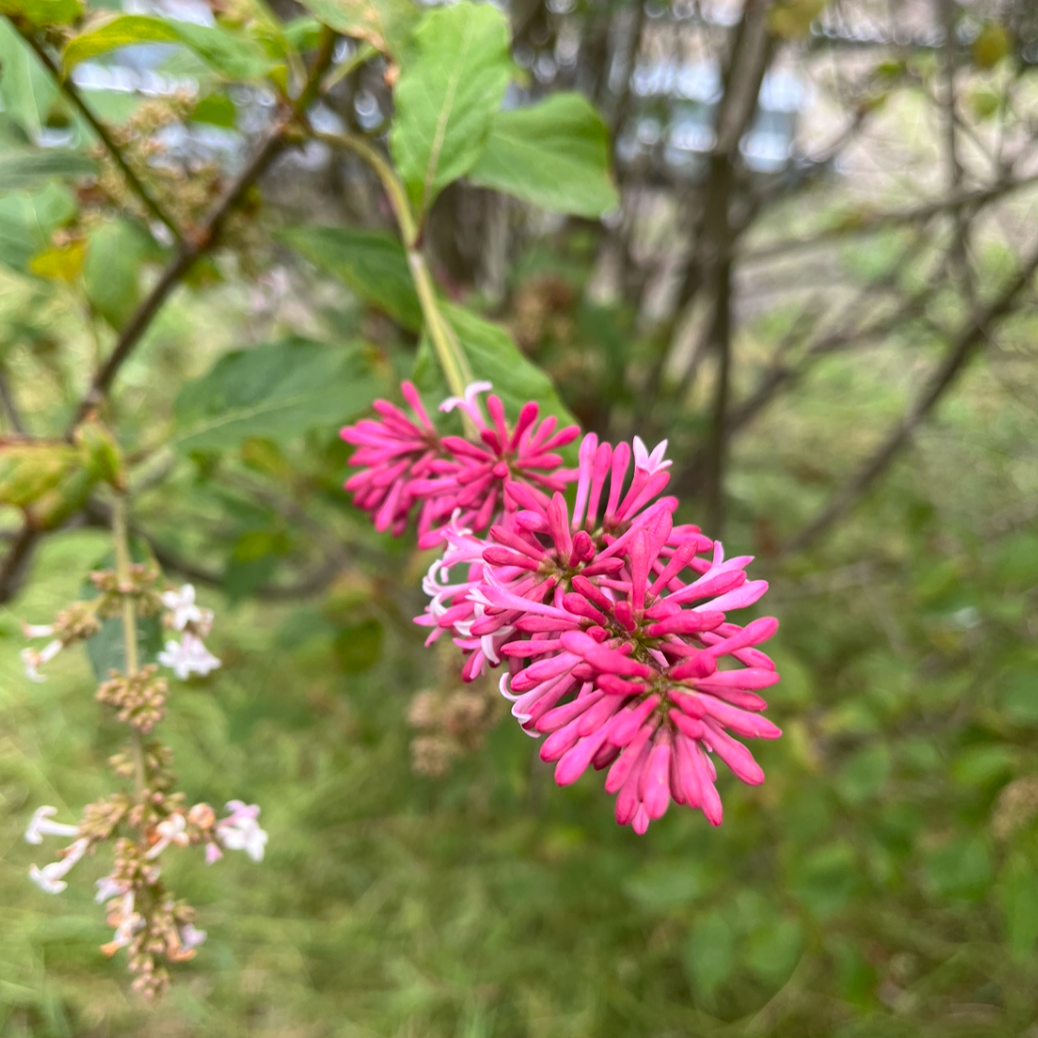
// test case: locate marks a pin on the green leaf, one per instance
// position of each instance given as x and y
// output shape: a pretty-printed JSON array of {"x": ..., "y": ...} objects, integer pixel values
[
  {"x": 492, "y": 356},
  {"x": 59, "y": 262},
  {"x": 216, "y": 110},
  {"x": 554, "y": 155},
  {"x": 26, "y": 88},
  {"x": 111, "y": 270},
  {"x": 447, "y": 96},
  {"x": 1019, "y": 898},
  {"x": 27, "y": 222},
  {"x": 386, "y": 24},
  {"x": 710, "y": 953},
  {"x": 24, "y": 169},
  {"x": 42, "y": 12},
  {"x": 372, "y": 263},
  {"x": 278, "y": 391},
  {"x": 236, "y": 57},
  {"x": 28, "y": 471}
]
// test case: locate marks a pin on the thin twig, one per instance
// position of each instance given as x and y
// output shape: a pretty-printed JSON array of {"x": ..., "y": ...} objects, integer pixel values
[
  {"x": 67, "y": 87},
  {"x": 977, "y": 329}
]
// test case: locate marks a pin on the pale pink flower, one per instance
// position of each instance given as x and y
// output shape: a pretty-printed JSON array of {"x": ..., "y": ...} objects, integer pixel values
[
  {"x": 33, "y": 659},
  {"x": 184, "y": 611},
  {"x": 170, "y": 830},
  {"x": 127, "y": 922},
  {"x": 240, "y": 831},
  {"x": 188, "y": 656},
  {"x": 191, "y": 937},
  {"x": 108, "y": 888},
  {"x": 41, "y": 825},
  {"x": 51, "y": 878}
]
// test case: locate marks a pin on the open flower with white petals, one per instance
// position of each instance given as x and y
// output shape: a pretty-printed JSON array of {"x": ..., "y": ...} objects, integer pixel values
[
  {"x": 240, "y": 831},
  {"x": 51, "y": 878},
  {"x": 41, "y": 825},
  {"x": 36, "y": 658},
  {"x": 184, "y": 611},
  {"x": 188, "y": 656}
]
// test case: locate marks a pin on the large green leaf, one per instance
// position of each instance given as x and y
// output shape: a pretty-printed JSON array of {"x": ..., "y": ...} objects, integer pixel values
[
  {"x": 43, "y": 12},
  {"x": 448, "y": 95},
  {"x": 28, "y": 220},
  {"x": 554, "y": 154},
  {"x": 493, "y": 356},
  {"x": 278, "y": 391},
  {"x": 372, "y": 263},
  {"x": 24, "y": 168},
  {"x": 111, "y": 270},
  {"x": 233, "y": 56},
  {"x": 26, "y": 88},
  {"x": 386, "y": 24}
]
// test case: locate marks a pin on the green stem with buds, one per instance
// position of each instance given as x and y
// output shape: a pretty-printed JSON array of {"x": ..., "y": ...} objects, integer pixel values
[{"x": 120, "y": 534}]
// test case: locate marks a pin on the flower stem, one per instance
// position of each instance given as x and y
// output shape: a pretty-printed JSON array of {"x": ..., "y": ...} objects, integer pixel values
[
  {"x": 122, "y": 576},
  {"x": 449, "y": 354}
]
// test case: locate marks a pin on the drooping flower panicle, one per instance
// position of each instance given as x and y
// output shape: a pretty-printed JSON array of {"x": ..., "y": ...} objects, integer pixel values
[
  {"x": 611, "y": 620},
  {"x": 154, "y": 928}
]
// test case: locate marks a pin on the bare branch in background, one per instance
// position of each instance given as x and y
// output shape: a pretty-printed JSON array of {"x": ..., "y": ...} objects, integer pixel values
[{"x": 977, "y": 330}]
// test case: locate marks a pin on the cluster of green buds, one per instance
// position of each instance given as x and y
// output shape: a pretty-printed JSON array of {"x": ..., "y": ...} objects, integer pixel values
[{"x": 147, "y": 817}]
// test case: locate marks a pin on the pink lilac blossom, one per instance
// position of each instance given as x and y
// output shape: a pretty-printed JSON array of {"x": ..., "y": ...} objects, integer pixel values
[
  {"x": 611, "y": 619},
  {"x": 405, "y": 464}
]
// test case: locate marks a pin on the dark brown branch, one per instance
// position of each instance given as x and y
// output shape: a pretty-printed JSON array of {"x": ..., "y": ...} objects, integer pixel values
[
  {"x": 972, "y": 335},
  {"x": 873, "y": 224},
  {"x": 66, "y": 86},
  {"x": 716, "y": 449},
  {"x": 205, "y": 238}
]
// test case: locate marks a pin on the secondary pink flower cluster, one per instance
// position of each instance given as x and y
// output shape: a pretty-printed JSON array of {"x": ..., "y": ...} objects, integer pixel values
[
  {"x": 612, "y": 621},
  {"x": 405, "y": 462}
]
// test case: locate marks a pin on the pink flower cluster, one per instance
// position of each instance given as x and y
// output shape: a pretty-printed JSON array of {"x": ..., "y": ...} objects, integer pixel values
[
  {"x": 610, "y": 621},
  {"x": 405, "y": 462}
]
